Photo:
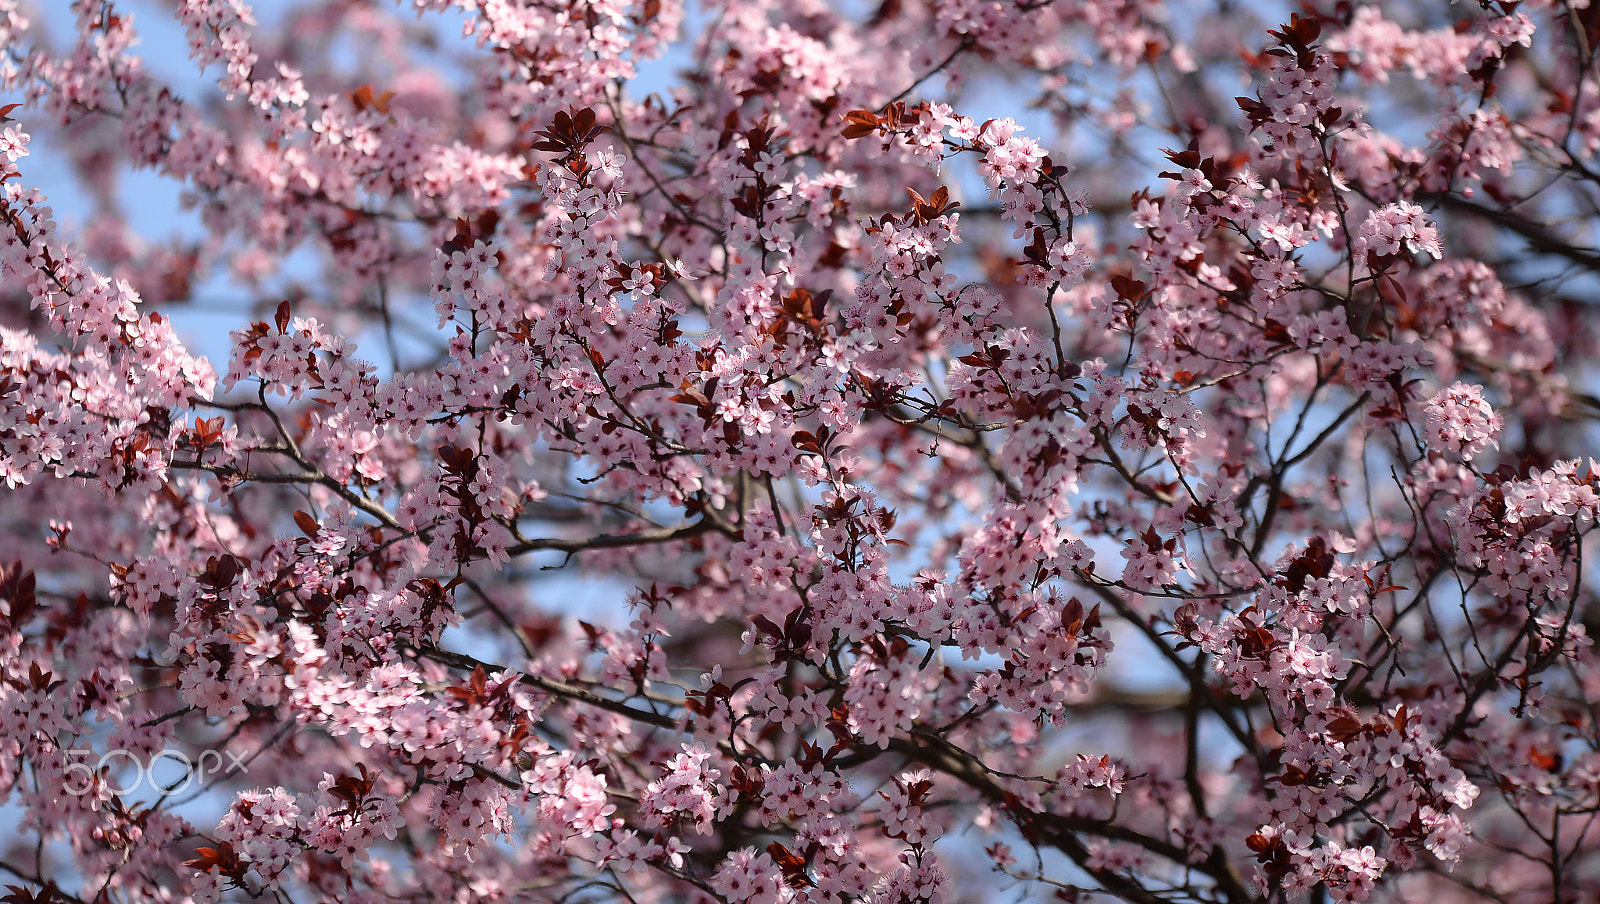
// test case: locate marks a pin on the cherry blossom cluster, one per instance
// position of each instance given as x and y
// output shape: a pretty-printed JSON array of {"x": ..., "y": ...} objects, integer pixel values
[{"x": 899, "y": 432}]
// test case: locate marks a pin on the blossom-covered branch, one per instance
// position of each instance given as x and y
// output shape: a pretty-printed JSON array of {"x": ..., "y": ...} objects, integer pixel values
[{"x": 934, "y": 450}]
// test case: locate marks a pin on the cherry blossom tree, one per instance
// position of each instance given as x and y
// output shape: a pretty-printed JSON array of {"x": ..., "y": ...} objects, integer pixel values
[{"x": 788, "y": 453}]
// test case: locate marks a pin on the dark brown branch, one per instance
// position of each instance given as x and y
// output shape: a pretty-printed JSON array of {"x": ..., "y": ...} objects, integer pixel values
[{"x": 1539, "y": 236}]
